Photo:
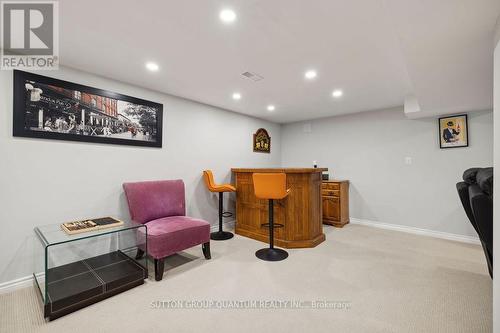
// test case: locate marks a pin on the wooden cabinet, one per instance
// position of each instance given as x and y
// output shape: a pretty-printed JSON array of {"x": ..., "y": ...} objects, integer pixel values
[{"x": 335, "y": 198}]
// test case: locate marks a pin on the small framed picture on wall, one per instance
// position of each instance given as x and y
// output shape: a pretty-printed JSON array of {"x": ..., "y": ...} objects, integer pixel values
[{"x": 453, "y": 131}]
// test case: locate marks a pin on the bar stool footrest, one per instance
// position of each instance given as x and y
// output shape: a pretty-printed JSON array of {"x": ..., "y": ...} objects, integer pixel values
[
  {"x": 227, "y": 214},
  {"x": 276, "y": 225}
]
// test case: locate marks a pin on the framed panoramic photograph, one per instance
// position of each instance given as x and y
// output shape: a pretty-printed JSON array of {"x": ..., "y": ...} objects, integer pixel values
[
  {"x": 48, "y": 108},
  {"x": 453, "y": 131}
]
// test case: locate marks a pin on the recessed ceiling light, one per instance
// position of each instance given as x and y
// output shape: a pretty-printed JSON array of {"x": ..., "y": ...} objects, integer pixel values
[
  {"x": 270, "y": 108},
  {"x": 227, "y": 16},
  {"x": 337, "y": 93},
  {"x": 152, "y": 66},
  {"x": 311, "y": 74},
  {"x": 236, "y": 96}
]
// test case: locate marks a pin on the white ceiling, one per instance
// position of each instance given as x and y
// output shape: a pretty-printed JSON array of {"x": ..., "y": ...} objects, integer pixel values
[{"x": 377, "y": 51}]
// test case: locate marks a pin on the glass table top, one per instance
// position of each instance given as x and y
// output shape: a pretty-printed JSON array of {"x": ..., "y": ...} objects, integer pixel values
[{"x": 52, "y": 234}]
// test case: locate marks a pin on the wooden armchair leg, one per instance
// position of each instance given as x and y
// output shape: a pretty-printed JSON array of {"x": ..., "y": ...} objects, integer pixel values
[
  {"x": 139, "y": 255},
  {"x": 205, "y": 247},
  {"x": 159, "y": 267}
]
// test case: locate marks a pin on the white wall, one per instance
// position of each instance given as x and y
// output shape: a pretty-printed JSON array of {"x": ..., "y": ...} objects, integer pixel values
[
  {"x": 370, "y": 148},
  {"x": 496, "y": 212},
  {"x": 45, "y": 181}
]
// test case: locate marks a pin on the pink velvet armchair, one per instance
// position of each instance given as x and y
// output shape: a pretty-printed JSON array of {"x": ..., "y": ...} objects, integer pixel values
[{"x": 161, "y": 206}]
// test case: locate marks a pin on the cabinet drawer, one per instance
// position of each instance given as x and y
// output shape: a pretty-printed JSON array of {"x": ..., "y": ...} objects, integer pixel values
[
  {"x": 331, "y": 193},
  {"x": 331, "y": 186},
  {"x": 333, "y": 200}
]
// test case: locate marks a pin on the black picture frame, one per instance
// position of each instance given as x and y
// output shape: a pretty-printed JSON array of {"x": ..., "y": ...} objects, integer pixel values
[
  {"x": 455, "y": 119},
  {"x": 23, "y": 105}
]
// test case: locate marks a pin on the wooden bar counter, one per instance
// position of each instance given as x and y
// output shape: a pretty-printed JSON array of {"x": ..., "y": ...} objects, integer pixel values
[{"x": 300, "y": 212}]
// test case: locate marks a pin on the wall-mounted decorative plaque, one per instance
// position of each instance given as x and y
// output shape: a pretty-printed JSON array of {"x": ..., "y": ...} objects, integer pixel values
[{"x": 261, "y": 141}]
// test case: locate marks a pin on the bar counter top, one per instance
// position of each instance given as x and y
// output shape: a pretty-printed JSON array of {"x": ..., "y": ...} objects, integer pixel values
[{"x": 284, "y": 170}]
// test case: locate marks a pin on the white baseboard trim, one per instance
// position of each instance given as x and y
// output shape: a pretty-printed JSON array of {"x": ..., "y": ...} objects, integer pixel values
[
  {"x": 27, "y": 281},
  {"x": 416, "y": 231},
  {"x": 9, "y": 286}
]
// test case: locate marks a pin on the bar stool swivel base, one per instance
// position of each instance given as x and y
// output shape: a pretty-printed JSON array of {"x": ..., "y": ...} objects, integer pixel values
[
  {"x": 273, "y": 254},
  {"x": 221, "y": 235}
]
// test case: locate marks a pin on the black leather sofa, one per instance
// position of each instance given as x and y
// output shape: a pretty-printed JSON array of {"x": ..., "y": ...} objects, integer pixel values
[{"x": 476, "y": 194}]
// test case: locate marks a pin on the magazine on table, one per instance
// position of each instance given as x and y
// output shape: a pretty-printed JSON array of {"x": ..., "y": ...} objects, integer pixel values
[{"x": 77, "y": 227}]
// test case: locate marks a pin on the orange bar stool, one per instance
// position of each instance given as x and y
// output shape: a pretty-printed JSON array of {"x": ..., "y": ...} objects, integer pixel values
[
  {"x": 270, "y": 186},
  {"x": 212, "y": 187}
]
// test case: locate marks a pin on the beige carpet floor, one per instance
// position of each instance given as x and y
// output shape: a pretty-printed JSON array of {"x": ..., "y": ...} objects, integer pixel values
[{"x": 390, "y": 282}]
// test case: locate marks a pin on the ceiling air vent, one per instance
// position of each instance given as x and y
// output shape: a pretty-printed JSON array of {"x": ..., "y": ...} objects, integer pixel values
[{"x": 252, "y": 76}]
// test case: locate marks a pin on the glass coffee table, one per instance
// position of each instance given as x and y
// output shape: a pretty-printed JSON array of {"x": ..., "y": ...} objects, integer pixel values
[{"x": 74, "y": 271}]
